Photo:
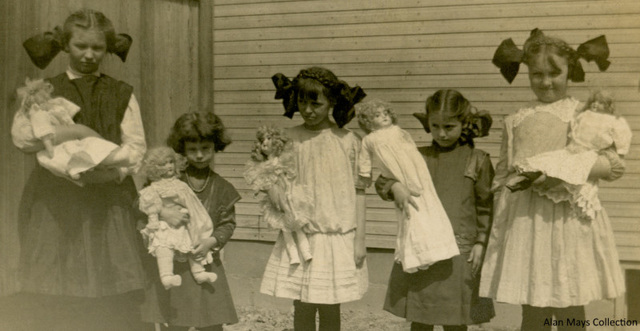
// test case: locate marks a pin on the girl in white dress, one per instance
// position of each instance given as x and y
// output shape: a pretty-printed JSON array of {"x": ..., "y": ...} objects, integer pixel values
[
  {"x": 540, "y": 254},
  {"x": 326, "y": 156},
  {"x": 424, "y": 235}
]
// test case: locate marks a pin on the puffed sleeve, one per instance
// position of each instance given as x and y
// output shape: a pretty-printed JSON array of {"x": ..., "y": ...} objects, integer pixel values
[
  {"x": 150, "y": 201},
  {"x": 621, "y": 134},
  {"x": 484, "y": 198},
  {"x": 22, "y": 134}
]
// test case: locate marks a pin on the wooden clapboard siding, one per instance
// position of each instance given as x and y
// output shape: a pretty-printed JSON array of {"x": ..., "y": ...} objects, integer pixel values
[
  {"x": 402, "y": 51},
  {"x": 162, "y": 66}
]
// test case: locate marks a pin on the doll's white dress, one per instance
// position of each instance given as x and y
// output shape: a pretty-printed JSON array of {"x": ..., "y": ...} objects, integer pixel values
[
  {"x": 182, "y": 238},
  {"x": 72, "y": 157},
  {"x": 590, "y": 132},
  {"x": 427, "y": 236}
]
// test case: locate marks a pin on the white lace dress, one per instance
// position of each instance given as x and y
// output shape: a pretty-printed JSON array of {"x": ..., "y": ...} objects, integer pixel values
[
  {"x": 540, "y": 252},
  {"x": 590, "y": 132},
  {"x": 427, "y": 236}
]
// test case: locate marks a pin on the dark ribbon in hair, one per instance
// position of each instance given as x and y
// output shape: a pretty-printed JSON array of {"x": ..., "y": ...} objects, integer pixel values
[
  {"x": 43, "y": 47},
  {"x": 284, "y": 91},
  {"x": 508, "y": 56},
  {"x": 343, "y": 111}
]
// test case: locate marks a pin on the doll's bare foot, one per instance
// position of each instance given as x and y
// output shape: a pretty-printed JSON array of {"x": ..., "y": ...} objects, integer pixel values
[
  {"x": 523, "y": 181},
  {"x": 169, "y": 281},
  {"x": 205, "y": 277}
]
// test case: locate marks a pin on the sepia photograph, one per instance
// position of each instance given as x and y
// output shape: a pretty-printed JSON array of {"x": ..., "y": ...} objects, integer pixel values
[{"x": 302, "y": 165}]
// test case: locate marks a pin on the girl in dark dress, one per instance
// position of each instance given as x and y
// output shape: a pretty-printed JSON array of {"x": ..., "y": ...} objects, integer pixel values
[
  {"x": 80, "y": 266},
  {"x": 206, "y": 306},
  {"x": 447, "y": 293}
]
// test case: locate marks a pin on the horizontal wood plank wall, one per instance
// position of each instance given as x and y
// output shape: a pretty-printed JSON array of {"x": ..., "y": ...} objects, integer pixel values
[
  {"x": 161, "y": 66},
  {"x": 402, "y": 51}
]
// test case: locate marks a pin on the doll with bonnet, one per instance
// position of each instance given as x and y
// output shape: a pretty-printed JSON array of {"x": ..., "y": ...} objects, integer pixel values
[
  {"x": 162, "y": 166},
  {"x": 594, "y": 129},
  {"x": 39, "y": 114},
  {"x": 285, "y": 205}
]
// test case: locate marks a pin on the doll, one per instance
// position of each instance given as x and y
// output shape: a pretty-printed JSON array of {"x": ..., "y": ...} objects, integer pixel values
[
  {"x": 161, "y": 166},
  {"x": 425, "y": 235},
  {"x": 285, "y": 206},
  {"x": 594, "y": 129},
  {"x": 41, "y": 113}
]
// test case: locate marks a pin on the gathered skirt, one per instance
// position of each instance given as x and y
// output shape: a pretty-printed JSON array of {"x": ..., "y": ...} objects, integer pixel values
[
  {"x": 330, "y": 277},
  {"x": 542, "y": 254}
]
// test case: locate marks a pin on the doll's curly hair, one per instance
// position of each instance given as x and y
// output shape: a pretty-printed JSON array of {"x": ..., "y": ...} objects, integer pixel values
[
  {"x": 279, "y": 140},
  {"x": 158, "y": 156},
  {"x": 475, "y": 123},
  {"x": 604, "y": 97},
  {"x": 35, "y": 91},
  {"x": 365, "y": 112},
  {"x": 197, "y": 127}
]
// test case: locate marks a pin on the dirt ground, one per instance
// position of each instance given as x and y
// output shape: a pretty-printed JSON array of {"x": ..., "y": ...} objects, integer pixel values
[{"x": 263, "y": 319}]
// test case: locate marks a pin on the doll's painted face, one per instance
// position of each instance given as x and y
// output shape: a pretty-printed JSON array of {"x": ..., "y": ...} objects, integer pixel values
[
  {"x": 86, "y": 48},
  {"x": 445, "y": 130},
  {"x": 380, "y": 119},
  {"x": 548, "y": 77},
  {"x": 199, "y": 154},
  {"x": 599, "y": 107},
  {"x": 267, "y": 145},
  {"x": 168, "y": 167}
]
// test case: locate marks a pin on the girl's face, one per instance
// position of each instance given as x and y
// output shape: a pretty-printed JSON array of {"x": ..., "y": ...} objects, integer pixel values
[
  {"x": 86, "y": 50},
  {"x": 168, "y": 168},
  {"x": 315, "y": 112},
  {"x": 445, "y": 130},
  {"x": 381, "y": 119},
  {"x": 199, "y": 154},
  {"x": 548, "y": 77}
]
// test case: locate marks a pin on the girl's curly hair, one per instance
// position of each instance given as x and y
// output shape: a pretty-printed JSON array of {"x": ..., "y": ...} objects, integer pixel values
[
  {"x": 157, "y": 157},
  {"x": 366, "y": 111},
  {"x": 197, "y": 127},
  {"x": 475, "y": 123},
  {"x": 279, "y": 141}
]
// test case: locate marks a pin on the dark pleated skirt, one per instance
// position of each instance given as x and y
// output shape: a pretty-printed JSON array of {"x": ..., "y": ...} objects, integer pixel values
[{"x": 444, "y": 294}]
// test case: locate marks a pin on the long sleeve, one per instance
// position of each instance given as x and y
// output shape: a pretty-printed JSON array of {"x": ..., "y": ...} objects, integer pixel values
[
  {"x": 225, "y": 221},
  {"x": 133, "y": 145},
  {"x": 484, "y": 199}
]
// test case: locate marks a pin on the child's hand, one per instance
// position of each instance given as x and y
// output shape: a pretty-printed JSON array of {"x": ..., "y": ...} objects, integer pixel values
[
  {"x": 360, "y": 253},
  {"x": 546, "y": 183},
  {"x": 475, "y": 258},
  {"x": 201, "y": 248},
  {"x": 403, "y": 198},
  {"x": 174, "y": 216}
]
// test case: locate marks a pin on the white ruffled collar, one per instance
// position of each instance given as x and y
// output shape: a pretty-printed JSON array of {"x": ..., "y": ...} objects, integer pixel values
[{"x": 564, "y": 109}]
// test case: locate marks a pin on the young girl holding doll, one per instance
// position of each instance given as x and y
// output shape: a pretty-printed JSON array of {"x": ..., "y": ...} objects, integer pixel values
[
  {"x": 447, "y": 292},
  {"x": 326, "y": 159},
  {"x": 541, "y": 253},
  {"x": 80, "y": 265},
  {"x": 426, "y": 236},
  {"x": 204, "y": 305}
]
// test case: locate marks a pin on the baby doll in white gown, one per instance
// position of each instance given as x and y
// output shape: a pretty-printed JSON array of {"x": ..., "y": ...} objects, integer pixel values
[
  {"x": 39, "y": 113},
  {"x": 426, "y": 237},
  {"x": 161, "y": 165},
  {"x": 594, "y": 129},
  {"x": 286, "y": 205}
]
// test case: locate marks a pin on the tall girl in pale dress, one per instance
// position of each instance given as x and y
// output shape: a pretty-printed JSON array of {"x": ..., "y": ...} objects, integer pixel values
[
  {"x": 326, "y": 158},
  {"x": 541, "y": 255},
  {"x": 424, "y": 235}
]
